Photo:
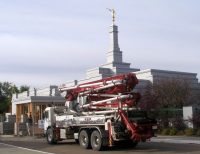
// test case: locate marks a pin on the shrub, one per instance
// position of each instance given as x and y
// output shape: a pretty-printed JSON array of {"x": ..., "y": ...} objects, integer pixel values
[
  {"x": 181, "y": 132},
  {"x": 198, "y": 132},
  {"x": 172, "y": 131},
  {"x": 159, "y": 131},
  {"x": 189, "y": 132},
  {"x": 178, "y": 123},
  {"x": 165, "y": 131}
]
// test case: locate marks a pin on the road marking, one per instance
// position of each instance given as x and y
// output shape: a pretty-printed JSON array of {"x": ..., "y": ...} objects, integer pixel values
[{"x": 26, "y": 148}]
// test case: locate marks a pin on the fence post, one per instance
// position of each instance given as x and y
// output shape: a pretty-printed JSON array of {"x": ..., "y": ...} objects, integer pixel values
[{"x": 33, "y": 116}]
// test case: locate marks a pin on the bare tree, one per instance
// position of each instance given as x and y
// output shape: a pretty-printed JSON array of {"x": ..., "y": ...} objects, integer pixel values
[
  {"x": 167, "y": 93},
  {"x": 164, "y": 97}
]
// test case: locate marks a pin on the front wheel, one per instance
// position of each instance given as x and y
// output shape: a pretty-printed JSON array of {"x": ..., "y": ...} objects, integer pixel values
[
  {"x": 50, "y": 136},
  {"x": 96, "y": 141}
]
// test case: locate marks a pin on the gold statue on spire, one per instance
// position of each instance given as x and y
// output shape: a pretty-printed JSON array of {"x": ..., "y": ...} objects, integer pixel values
[{"x": 113, "y": 14}]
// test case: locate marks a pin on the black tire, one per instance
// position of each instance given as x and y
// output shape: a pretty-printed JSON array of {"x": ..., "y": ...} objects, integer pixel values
[
  {"x": 96, "y": 141},
  {"x": 50, "y": 136},
  {"x": 84, "y": 139}
]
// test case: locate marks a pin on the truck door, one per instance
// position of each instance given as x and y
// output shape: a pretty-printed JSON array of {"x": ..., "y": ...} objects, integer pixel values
[{"x": 47, "y": 119}]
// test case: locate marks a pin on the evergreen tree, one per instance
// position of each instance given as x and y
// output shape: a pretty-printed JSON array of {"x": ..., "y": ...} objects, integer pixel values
[{"x": 6, "y": 91}]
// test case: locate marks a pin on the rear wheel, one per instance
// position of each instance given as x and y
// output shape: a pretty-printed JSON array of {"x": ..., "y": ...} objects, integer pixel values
[
  {"x": 96, "y": 141},
  {"x": 84, "y": 139},
  {"x": 50, "y": 136}
]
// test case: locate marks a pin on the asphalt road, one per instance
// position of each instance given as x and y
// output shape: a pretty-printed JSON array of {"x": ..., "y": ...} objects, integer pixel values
[
  {"x": 37, "y": 146},
  {"x": 10, "y": 149}
]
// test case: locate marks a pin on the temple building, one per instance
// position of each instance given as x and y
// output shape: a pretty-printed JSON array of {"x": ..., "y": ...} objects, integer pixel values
[{"x": 115, "y": 65}]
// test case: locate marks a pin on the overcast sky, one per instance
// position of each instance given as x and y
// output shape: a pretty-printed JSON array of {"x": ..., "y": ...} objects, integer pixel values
[{"x": 45, "y": 42}]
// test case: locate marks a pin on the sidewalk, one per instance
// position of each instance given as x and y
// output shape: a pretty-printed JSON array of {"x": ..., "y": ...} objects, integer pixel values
[{"x": 176, "y": 139}]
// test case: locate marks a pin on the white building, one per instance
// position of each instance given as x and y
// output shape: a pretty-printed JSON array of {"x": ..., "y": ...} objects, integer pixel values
[{"x": 34, "y": 101}]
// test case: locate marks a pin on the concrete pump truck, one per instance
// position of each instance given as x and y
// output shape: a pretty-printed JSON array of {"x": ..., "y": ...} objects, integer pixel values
[{"x": 99, "y": 114}]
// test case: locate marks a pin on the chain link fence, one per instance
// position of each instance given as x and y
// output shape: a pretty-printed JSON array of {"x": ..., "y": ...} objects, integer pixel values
[
  {"x": 26, "y": 128},
  {"x": 20, "y": 127}
]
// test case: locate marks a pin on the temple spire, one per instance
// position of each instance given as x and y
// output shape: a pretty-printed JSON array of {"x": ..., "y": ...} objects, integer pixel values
[
  {"x": 114, "y": 54},
  {"x": 114, "y": 64},
  {"x": 113, "y": 15}
]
